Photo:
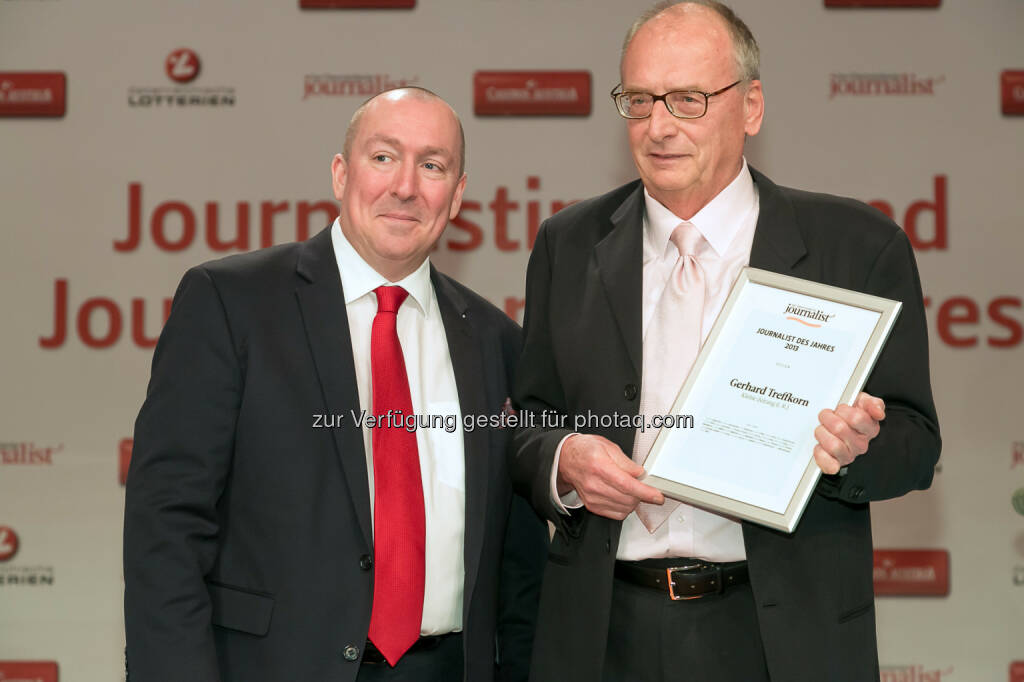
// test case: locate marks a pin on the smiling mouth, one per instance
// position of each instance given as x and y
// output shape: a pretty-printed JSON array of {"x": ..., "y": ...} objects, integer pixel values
[{"x": 401, "y": 216}]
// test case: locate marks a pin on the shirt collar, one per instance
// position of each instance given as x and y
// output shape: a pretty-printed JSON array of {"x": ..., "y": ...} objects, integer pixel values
[
  {"x": 359, "y": 279},
  {"x": 719, "y": 221}
]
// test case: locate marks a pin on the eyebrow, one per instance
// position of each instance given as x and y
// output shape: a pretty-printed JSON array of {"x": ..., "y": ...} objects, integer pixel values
[{"x": 428, "y": 151}]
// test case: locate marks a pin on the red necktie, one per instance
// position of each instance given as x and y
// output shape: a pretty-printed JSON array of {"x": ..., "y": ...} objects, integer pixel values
[{"x": 399, "y": 528}]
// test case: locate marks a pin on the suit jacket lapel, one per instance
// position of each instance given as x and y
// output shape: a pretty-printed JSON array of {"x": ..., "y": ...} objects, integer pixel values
[
  {"x": 620, "y": 266},
  {"x": 322, "y": 303},
  {"x": 778, "y": 245},
  {"x": 466, "y": 347}
]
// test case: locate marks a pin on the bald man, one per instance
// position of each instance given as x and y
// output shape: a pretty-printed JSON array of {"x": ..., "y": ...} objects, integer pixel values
[
  {"x": 304, "y": 500},
  {"x": 622, "y": 290}
]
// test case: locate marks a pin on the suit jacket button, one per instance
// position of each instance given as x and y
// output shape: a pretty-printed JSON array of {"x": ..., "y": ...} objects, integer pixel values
[
  {"x": 629, "y": 391},
  {"x": 857, "y": 492},
  {"x": 608, "y": 546},
  {"x": 351, "y": 653},
  {"x": 365, "y": 562}
]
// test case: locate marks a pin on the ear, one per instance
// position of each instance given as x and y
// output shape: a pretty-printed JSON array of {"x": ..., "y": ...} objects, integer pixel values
[
  {"x": 457, "y": 198},
  {"x": 339, "y": 171},
  {"x": 753, "y": 108}
]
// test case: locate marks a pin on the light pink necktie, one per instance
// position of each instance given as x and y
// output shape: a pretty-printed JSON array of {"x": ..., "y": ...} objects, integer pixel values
[{"x": 670, "y": 347}]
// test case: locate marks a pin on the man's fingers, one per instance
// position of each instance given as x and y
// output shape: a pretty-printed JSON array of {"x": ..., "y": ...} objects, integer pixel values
[
  {"x": 872, "y": 405},
  {"x": 859, "y": 420},
  {"x": 833, "y": 445},
  {"x": 826, "y": 462}
]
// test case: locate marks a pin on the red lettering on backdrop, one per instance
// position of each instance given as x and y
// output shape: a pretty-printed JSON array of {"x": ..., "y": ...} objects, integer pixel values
[{"x": 938, "y": 238}]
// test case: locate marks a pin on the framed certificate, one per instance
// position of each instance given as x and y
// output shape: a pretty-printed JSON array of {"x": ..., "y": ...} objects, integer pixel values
[{"x": 781, "y": 350}]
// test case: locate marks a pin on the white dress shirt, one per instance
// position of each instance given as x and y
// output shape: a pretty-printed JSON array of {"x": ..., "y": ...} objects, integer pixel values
[
  {"x": 432, "y": 387},
  {"x": 727, "y": 223}
]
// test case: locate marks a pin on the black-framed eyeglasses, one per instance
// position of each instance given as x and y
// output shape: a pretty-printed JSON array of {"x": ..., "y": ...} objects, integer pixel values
[{"x": 680, "y": 103}]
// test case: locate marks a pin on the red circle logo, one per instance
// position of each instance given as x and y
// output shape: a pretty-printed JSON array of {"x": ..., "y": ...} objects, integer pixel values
[
  {"x": 8, "y": 543},
  {"x": 182, "y": 65}
]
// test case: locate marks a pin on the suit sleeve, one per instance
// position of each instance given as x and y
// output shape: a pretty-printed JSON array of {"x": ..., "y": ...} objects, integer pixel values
[
  {"x": 537, "y": 390},
  {"x": 184, "y": 438},
  {"x": 903, "y": 455},
  {"x": 522, "y": 565}
]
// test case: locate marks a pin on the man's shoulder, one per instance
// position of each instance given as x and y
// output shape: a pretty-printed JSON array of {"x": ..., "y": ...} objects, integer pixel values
[
  {"x": 834, "y": 216},
  {"x": 592, "y": 214},
  {"x": 475, "y": 305}
]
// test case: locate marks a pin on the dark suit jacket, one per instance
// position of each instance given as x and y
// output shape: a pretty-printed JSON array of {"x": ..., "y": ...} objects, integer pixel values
[
  {"x": 247, "y": 531},
  {"x": 582, "y": 351}
]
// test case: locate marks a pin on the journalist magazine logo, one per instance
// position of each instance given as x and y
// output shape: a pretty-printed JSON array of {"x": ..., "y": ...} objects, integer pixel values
[
  {"x": 531, "y": 93},
  {"x": 911, "y": 572},
  {"x": 1012, "y": 83},
  {"x": 363, "y": 86},
  {"x": 882, "y": 3},
  {"x": 28, "y": 671},
  {"x": 915, "y": 673},
  {"x": 182, "y": 67},
  {"x": 8, "y": 543},
  {"x": 33, "y": 94},
  {"x": 882, "y": 85},
  {"x": 357, "y": 4},
  {"x": 1017, "y": 671},
  {"x": 27, "y": 453},
  {"x": 124, "y": 459}
]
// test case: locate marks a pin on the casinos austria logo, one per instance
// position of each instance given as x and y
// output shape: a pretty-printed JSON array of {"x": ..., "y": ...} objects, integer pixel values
[
  {"x": 28, "y": 671},
  {"x": 182, "y": 67},
  {"x": 911, "y": 572},
  {"x": 1012, "y": 83},
  {"x": 882, "y": 3},
  {"x": 531, "y": 93},
  {"x": 33, "y": 93},
  {"x": 357, "y": 4},
  {"x": 915, "y": 673}
]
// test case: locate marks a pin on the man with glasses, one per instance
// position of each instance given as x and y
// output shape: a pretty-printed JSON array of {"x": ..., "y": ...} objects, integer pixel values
[{"x": 622, "y": 289}]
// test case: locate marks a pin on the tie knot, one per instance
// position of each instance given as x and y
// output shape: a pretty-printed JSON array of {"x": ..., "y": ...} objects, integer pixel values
[
  {"x": 389, "y": 299},
  {"x": 687, "y": 238}
]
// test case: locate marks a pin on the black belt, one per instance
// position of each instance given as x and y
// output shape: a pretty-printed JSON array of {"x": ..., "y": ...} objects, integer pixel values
[
  {"x": 372, "y": 654},
  {"x": 684, "y": 578}
]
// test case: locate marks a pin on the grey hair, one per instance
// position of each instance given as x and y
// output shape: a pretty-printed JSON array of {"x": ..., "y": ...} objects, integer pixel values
[
  {"x": 415, "y": 91},
  {"x": 745, "y": 50}
]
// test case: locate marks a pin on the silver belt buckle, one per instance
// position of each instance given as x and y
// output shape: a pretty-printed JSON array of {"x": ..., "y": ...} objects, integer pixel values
[{"x": 671, "y": 583}]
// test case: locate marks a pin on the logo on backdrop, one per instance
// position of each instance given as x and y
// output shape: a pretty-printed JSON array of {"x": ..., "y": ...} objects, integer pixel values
[
  {"x": 1017, "y": 671},
  {"x": 1012, "y": 83},
  {"x": 28, "y": 453},
  {"x": 363, "y": 86},
  {"x": 1017, "y": 454},
  {"x": 182, "y": 67},
  {"x": 882, "y": 84},
  {"x": 882, "y": 3},
  {"x": 28, "y": 671},
  {"x": 914, "y": 673},
  {"x": 124, "y": 459},
  {"x": 33, "y": 93},
  {"x": 1018, "y": 501},
  {"x": 356, "y": 4},
  {"x": 8, "y": 543},
  {"x": 12, "y": 575},
  {"x": 911, "y": 572},
  {"x": 531, "y": 93}
]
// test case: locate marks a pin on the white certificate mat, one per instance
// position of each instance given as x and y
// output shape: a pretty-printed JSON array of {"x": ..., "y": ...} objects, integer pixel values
[{"x": 782, "y": 350}]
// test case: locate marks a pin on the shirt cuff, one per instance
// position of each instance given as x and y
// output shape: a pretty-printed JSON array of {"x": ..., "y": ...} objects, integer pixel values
[{"x": 571, "y": 500}]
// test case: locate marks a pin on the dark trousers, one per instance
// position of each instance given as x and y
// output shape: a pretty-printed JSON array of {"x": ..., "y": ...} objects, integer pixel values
[
  {"x": 711, "y": 639},
  {"x": 440, "y": 664}
]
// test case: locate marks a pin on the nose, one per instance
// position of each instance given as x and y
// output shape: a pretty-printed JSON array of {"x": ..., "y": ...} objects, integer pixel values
[
  {"x": 661, "y": 123},
  {"x": 404, "y": 182}
]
